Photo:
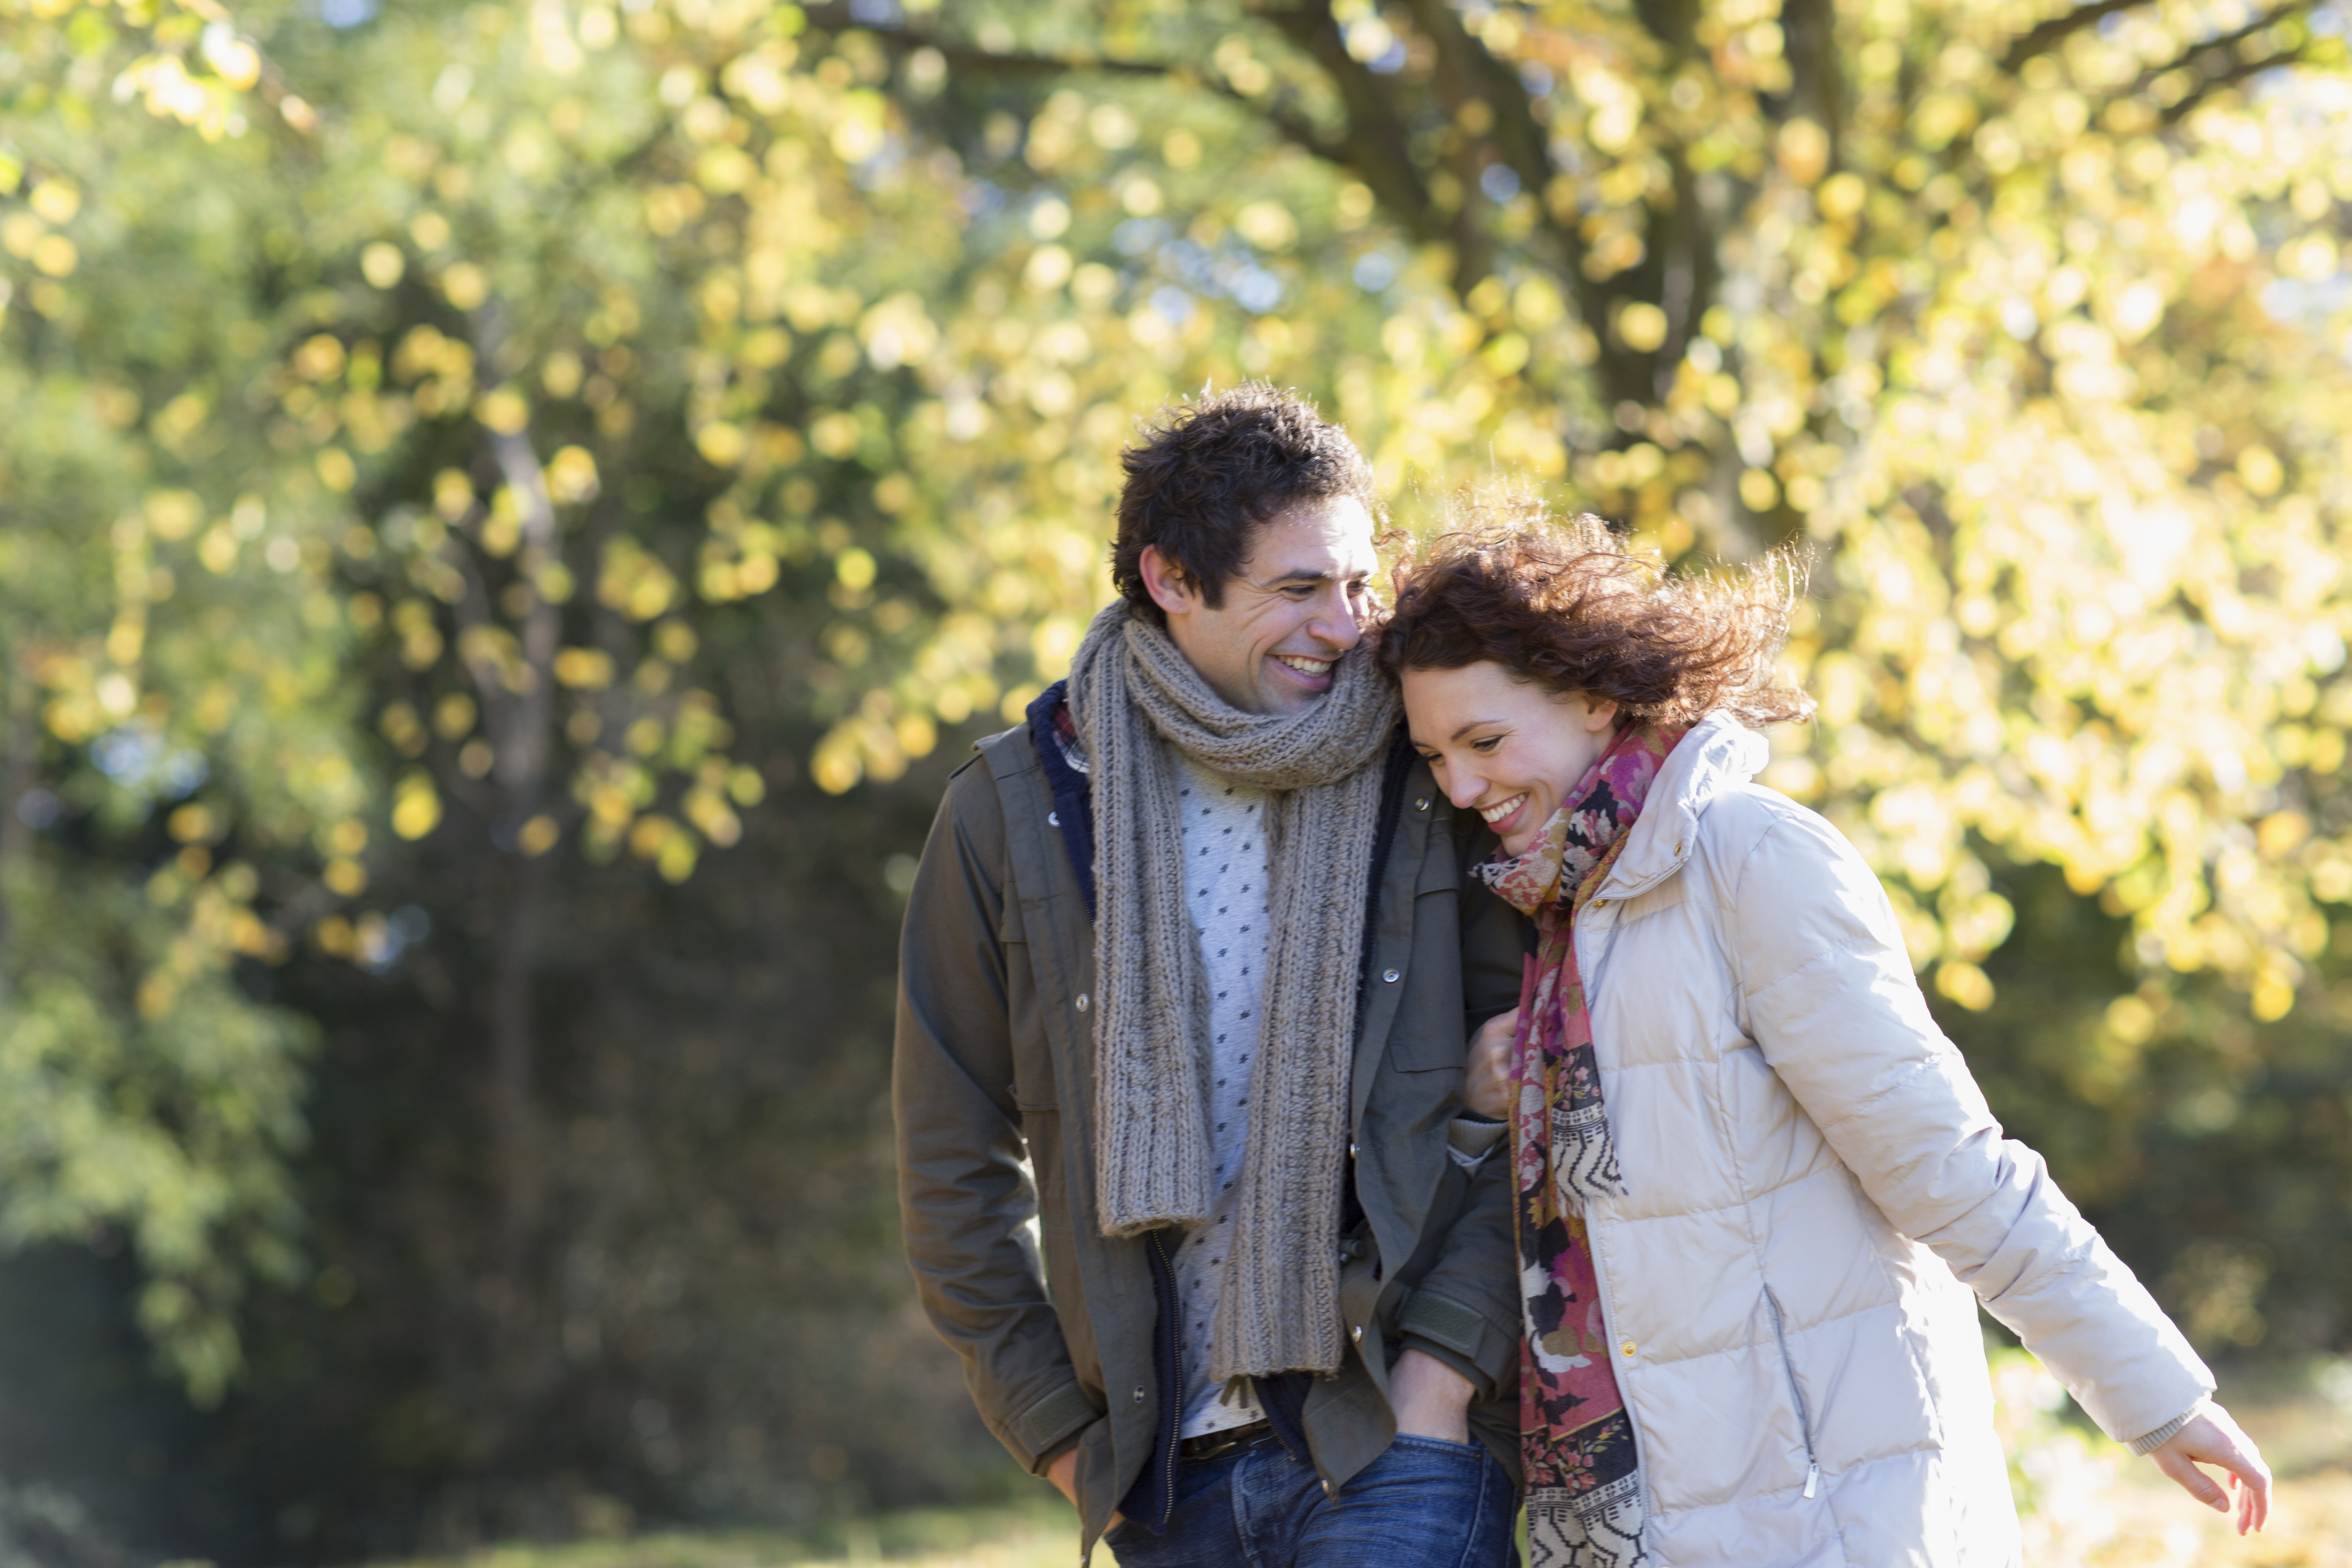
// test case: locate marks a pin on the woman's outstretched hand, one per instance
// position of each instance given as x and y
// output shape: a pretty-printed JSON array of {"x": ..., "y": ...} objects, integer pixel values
[
  {"x": 2213, "y": 1438},
  {"x": 1486, "y": 1074}
]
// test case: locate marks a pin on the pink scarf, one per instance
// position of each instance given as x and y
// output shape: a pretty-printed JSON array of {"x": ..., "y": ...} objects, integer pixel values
[{"x": 1584, "y": 1496}]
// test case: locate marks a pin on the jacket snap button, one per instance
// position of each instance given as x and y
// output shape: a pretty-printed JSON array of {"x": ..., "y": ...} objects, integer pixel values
[
  {"x": 1351, "y": 1149},
  {"x": 1389, "y": 975},
  {"x": 1422, "y": 804},
  {"x": 1329, "y": 1490},
  {"x": 1082, "y": 1000},
  {"x": 1139, "y": 1393},
  {"x": 1054, "y": 819},
  {"x": 1356, "y": 1334},
  {"x": 1627, "y": 1347}
]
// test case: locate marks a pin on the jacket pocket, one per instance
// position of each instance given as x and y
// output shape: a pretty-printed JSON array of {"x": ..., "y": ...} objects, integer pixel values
[{"x": 1796, "y": 1391}]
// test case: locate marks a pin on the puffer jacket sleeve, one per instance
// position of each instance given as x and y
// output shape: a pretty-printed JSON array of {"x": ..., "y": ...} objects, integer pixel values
[{"x": 1832, "y": 1002}]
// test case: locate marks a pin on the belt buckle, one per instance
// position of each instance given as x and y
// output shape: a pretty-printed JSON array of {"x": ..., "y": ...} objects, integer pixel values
[{"x": 1229, "y": 1439}]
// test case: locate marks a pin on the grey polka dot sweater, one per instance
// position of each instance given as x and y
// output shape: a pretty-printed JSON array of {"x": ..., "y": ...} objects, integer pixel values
[{"x": 1224, "y": 895}]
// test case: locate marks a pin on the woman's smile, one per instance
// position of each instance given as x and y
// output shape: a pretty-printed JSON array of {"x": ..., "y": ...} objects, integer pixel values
[{"x": 1500, "y": 816}]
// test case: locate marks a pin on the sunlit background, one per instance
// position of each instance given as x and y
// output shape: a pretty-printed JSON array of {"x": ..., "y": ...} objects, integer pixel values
[{"x": 509, "y": 511}]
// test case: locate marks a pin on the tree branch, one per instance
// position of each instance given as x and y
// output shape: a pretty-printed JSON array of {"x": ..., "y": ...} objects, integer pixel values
[
  {"x": 1476, "y": 73},
  {"x": 522, "y": 753},
  {"x": 2240, "y": 72},
  {"x": 905, "y": 40},
  {"x": 1374, "y": 146},
  {"x": 1468, "y": 74},
  {"x": 2047, "y": 36}
]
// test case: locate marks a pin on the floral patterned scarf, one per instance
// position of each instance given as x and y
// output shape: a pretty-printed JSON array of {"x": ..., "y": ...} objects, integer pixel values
[{"x": 1584, "y": 1491}]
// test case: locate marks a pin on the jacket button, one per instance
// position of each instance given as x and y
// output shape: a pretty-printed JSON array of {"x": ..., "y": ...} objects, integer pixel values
[
  {"x": 1082, "y": 1000},
  {"x": 1351, "y": 1149},
  {"x": 1139, "y": 1393},
  {"x": 1389, "y": 975},
  {"x": 1627, "y": 1347},
  {"x": 1422, "y": 804},
  {"x": 1329, "y": 1490},
  {"x": 1054, "y": 819},
  {"x": 1356, "y": 1334}
]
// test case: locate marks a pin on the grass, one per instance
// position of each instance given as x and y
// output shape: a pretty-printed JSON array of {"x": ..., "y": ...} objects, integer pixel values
[
  {"x": 2083, "y": 1502},
  {"x": 1042, "y": 1535}
]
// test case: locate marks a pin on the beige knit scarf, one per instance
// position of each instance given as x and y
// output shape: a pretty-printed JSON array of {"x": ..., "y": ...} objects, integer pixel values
[{"x": 1133, "y": 695}]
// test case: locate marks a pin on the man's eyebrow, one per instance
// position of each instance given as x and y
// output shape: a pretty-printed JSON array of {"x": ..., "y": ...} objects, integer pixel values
[{"x": 1309, "y": 574}]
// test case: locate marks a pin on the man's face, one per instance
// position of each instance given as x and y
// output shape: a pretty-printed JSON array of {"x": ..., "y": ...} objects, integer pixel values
[{"x": 1294, "y": 607}]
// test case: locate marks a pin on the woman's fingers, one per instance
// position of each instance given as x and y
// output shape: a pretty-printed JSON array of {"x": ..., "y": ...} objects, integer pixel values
[
  {"x": 2192, "y": 1481},
  {"x": 2213, "y": 1438}
]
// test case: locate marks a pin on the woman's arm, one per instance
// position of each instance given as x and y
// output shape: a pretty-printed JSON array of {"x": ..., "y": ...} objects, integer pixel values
[{"x": 1832, "y": 1004}]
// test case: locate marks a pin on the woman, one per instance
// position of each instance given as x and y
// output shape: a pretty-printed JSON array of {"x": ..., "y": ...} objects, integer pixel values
[{"x": 1752, "y": 1174}]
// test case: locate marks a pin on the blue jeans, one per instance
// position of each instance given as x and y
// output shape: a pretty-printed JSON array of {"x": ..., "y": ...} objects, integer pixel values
[{"x": 1425, "y": 1503}]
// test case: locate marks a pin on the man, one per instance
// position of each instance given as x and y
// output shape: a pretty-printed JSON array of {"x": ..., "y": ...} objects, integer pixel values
[{"x": 1186, "y": 975}]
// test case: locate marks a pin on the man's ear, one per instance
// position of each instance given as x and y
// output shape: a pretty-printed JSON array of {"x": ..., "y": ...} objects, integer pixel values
[{"x": 1165, "y": 580}]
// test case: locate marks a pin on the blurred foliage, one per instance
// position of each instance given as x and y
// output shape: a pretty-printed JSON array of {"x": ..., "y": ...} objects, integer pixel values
[
  {"x": 462, "y": 465},
  {"x": 2082, "y": 1499},
  {"x": 176, "y": 716}
]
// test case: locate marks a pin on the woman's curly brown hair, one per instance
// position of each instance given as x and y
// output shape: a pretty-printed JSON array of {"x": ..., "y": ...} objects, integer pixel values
[{"x": 1566, "y": 606}]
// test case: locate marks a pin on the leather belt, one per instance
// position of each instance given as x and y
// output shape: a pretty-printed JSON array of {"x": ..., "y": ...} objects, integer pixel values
[{"x": 1214, "y": 1445}]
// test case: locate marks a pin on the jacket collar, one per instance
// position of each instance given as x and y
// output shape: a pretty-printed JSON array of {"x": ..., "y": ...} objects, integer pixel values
[{"x": 1717, "y": 755}]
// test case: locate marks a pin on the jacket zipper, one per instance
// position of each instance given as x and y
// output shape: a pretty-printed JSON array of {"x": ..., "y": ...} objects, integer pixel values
[
  {"x": 1172, "y": 1419},
  {"x": 1804, "y": 1416}
]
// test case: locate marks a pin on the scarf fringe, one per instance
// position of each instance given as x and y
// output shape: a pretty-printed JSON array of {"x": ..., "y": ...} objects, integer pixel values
[{"x": 1601, "y": 1528}]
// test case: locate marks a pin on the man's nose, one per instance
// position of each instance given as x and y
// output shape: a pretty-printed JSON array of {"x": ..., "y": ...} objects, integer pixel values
[{"x": 1336, "y": 623}]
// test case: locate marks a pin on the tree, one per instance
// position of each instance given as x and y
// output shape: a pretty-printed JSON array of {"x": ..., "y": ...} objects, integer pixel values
[
  {"x": 170, "y": 671},
  {"x": 2006, "y": 310},
  {"x": 565, "y": 350},
  {"x": 456, "y": 456}
]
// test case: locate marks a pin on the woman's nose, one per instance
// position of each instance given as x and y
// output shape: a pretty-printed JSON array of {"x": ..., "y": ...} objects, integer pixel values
[{"x": 1463, "y": 787}]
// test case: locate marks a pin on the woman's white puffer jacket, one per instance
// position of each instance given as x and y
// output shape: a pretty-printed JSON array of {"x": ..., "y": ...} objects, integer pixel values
[{"x": 1816, "y": 1199}]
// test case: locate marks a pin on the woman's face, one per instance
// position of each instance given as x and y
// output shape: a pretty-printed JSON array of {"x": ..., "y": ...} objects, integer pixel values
[{"x": 1505, "y": 749}]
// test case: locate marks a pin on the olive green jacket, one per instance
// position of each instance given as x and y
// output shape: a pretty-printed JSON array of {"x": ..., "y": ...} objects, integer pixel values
[{"x": 993, "y": 1089}]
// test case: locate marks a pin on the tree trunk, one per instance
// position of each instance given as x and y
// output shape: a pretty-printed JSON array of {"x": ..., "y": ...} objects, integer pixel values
[
  {"x": 514, "y": 1029},
  {"x": 524, "y": 743},
  {"x": 20, "y": 739}
]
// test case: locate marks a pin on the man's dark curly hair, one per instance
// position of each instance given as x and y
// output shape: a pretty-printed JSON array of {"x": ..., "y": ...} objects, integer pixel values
[
  {"x": 1567, "y": 607},
  {"x": 1205, "y": 476}
]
